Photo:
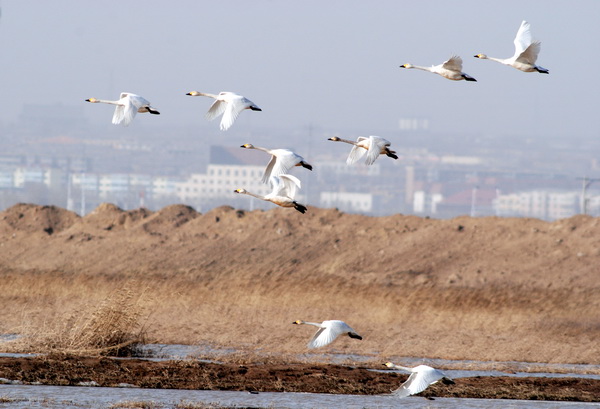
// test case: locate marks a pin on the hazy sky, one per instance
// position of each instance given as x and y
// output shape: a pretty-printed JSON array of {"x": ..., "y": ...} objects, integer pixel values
[{"x": 333, "y": 64}]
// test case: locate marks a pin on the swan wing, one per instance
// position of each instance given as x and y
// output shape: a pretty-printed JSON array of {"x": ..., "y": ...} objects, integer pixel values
[
  {"x": 330, "y": 331},
  {"x": 126, "y": 110},
  {"x": 118, "y": 115},
  {"x": 236, "y": 105},
  {"x": 324, "y": 336},
  {"x": 523, "y": 38},
  {"x": 375, "y": 145},
  {"x": 217, "y": 108},
  {"x": 285, "y": 160},
  {"x": 269, "y": 170},
  {"x": 291, "y": 185},
  {"x": 454, "y": 63},
  {"x": 530, "y": 54}
]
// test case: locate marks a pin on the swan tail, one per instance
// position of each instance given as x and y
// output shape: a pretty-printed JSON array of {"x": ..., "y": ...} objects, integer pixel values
[
  {"x": 300, "y": 207},
  {"x": 305, "y": 165},
  {"x": 391, "y": 154},
  {"x": 354, "y": 335}
]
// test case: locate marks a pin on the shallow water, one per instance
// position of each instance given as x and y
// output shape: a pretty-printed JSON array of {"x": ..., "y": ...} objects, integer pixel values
[{"x": 71, "y": 397}]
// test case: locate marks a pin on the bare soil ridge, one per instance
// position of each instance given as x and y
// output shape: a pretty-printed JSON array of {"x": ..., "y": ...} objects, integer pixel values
[{"x": 494, "y": 289}]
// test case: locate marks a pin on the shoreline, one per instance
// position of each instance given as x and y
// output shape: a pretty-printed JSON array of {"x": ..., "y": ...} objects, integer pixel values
[{"x": 278, "y": 377}]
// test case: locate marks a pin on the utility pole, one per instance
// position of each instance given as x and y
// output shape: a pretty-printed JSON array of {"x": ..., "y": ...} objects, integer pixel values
[{"x": 584, "y": 187}]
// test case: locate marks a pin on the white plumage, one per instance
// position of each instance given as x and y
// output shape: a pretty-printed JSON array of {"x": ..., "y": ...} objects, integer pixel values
[
  {"x": 420, "y": 378},
  {"x": 373, "y": 146},
  {"x": 526, "y": 52},
  {"x": 328, "y": 332},
  {"x": 127, "y": 107},
  {"x": 228, "y": 104},
  {"x": 450, "y": 69},
  {"x": 282, "y": 161},
  {"x": 283, "y": 193}
]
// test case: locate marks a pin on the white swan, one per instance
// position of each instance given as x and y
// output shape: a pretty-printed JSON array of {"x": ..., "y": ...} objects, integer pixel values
[
  {"x": 282, "y": 160},
  {"x": 227, "y": 103},
  {"x": 420, "y": 378},
  {"x": 451, "y": 69},
  {"x": 127, "y": 106},
  {"x": 373, "y": 146},
  {"x": 526, "y": 52},
  {"x": 328, "y": 332},
  {"x": 284, "y": 190}
]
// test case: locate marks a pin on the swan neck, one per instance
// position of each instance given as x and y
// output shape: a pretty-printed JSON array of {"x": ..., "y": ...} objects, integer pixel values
[
  {"x": 255, "y": 195},
  {"x": 105, "y": 101},
  {"x": 346, "y": 140},
  {"x": 419, "y": 67}
]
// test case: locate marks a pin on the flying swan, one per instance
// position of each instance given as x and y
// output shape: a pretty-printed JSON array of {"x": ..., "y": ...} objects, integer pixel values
[
  {"x": 282, "y": 160},
  {"x": 328, "y": 332},
  {"x": 228, "y": 104},
  {"x": 373, "y": 146},
  {"x": 420, "y": 378},
  {"x": 127, "y": 106},
  {"x": 526, "y": 52},
  {"x": 284, "y": 190},
  {"x": 451, "y": 69}
]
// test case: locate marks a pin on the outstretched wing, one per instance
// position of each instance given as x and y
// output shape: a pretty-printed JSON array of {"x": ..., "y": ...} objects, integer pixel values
[
  {"x": 376, "y": 144},
  {"x": 357, "y": 152},
  {"x": 523, "y": 38},
  {"x": 126, "y": 110},
  {"x": 322, "y": 337},
  {"x": 285, "y": 185},
  {"x": 530, "y": 55},
  {"x": 285, "y": 160},
  {"x": 454, "y": 63},
  {"x": 216, "y": 109},
  {"x": 235, "y": 105}
]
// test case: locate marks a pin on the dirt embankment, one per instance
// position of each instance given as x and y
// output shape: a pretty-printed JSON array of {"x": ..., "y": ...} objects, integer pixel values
[{"x": 496, "y": 289}]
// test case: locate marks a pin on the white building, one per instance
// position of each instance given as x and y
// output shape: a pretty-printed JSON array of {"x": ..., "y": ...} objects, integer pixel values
[
  {"x": 347, "y": 202},
  {"x": 542, "y": 204}
]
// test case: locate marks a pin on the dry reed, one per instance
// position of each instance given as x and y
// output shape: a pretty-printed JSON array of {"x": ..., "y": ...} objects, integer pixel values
[
  {"x": 109, "y": 327},
  {"x": 254, "y": 317}
]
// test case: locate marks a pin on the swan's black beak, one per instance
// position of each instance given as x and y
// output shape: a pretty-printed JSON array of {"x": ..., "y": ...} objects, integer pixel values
[{"x": 255, "y": 109}]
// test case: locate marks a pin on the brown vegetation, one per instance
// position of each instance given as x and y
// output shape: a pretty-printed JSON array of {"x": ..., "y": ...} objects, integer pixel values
[{"x": 465, "y": 288}]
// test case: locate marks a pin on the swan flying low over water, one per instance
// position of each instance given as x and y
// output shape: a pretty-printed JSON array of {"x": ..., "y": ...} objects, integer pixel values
[
  {"x": 282, "y": 160},
  {"x": 128, "y": 106},
  {"x": 373, "y": 146},
  {"x": 526, "y": 52},
  {"x": 328, "y": 332},
  {"x": 450, "y": 69},
  {"x": 420, "y": 378},
  {"x": 284, "y": 190},
  {"x": 227, "y": 104}
]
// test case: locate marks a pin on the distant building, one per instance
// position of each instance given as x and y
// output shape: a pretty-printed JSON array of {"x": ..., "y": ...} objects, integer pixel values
[
  {"x": 542, "y": 204},
  {"x": 347, "y": 202}
]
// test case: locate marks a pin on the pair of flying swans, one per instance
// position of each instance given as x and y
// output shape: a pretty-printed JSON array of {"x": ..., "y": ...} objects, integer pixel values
[
  {"x": 524, "y": 58},
  {"x": 227, "y": 104}
]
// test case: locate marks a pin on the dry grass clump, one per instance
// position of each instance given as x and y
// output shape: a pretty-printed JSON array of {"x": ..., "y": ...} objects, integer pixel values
[{"x": 111, "y": 328}]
